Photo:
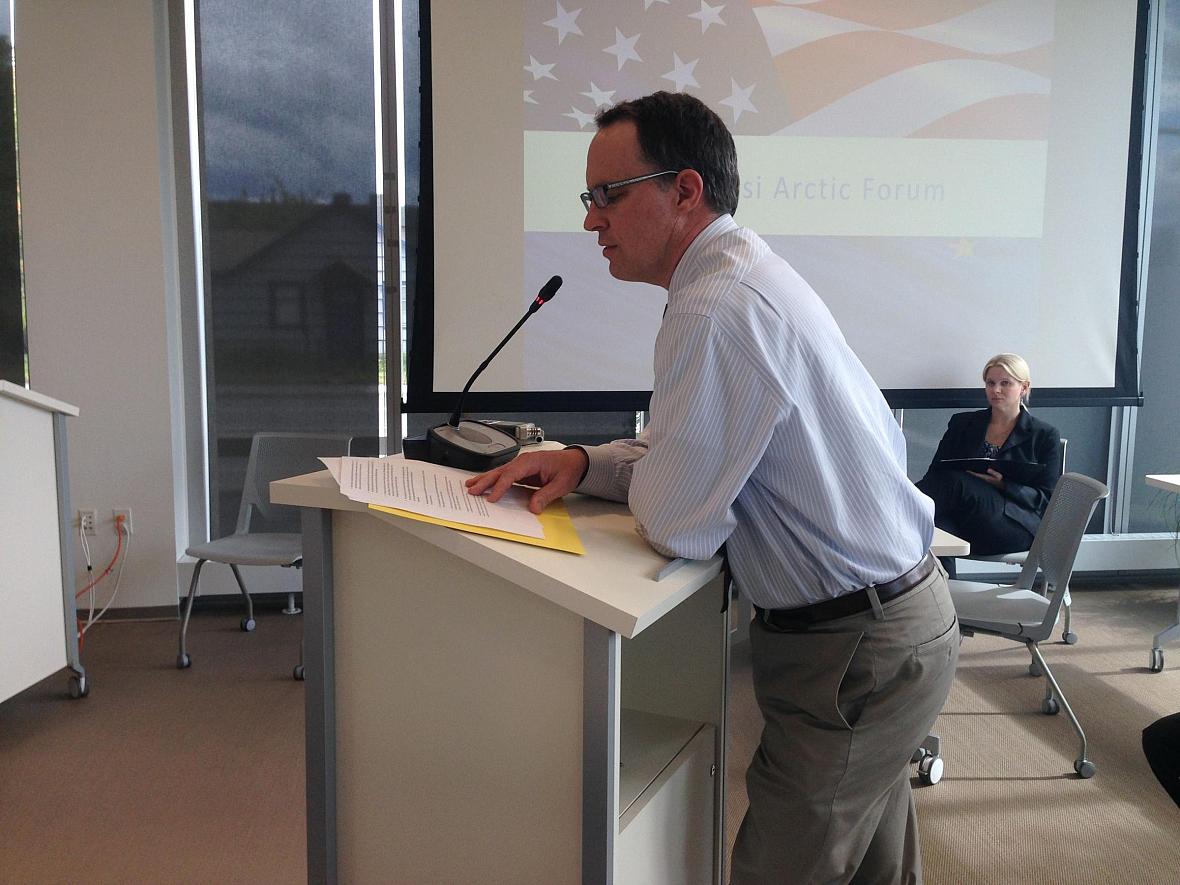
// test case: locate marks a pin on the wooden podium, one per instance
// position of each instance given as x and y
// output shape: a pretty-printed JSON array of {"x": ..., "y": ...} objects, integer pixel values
[
  {"x": 482, "y": 711},
  {"x": 38, "y": 629}
]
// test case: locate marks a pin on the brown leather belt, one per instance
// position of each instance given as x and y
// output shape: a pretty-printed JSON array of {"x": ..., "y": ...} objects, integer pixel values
[{"x": 850, "y": 603}]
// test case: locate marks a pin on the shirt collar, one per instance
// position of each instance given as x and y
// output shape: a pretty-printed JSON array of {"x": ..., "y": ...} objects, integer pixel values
[{"x": 687, "y": 267}]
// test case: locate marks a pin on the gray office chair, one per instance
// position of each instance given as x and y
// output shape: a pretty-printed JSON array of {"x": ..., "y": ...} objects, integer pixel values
[
  {"x": 1021, "y": 613},
  {"x": 266, "y": 533},
  {"x": 1018, "y": 558}
]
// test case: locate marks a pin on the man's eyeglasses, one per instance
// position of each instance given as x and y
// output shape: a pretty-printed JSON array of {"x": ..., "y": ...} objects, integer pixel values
[{"x": 597, "y": 195}]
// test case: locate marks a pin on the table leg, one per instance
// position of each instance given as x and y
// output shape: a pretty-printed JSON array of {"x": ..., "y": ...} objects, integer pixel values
[
  {"x": 600, "y": 752},
  {"x": 319, "y": 696}
]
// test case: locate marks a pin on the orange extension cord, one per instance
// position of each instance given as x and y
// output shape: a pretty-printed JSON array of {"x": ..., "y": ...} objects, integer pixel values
[{"x": 106, "y": 571}]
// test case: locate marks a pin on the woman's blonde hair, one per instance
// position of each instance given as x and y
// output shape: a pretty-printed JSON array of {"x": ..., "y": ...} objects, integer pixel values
[{"x": 1015, "y": 366}]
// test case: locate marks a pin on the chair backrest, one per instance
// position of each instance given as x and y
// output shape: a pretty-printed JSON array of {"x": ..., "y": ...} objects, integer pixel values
[
  {"x": 1055, "y": 546},
  {"x": 279, "y": 456}
]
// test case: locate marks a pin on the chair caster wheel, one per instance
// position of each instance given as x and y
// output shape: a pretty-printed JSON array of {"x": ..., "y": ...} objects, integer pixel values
[
  {"x": 930, "y": 770},
  {"x": 297, "y": 673},
  {"x": 1085, "y": 768},
  {"x": 183, "y": 662},
  {"x": 1034, "y": 669},
  {"x": 248, "y": 625},
  {"x": 1069, "y": 638},
  {"x": 79, "y": 688},
  {"x": 1049, "y": 706},
  {"x": 1157, "y": 660},
  {"x": 919, "y": 755}
]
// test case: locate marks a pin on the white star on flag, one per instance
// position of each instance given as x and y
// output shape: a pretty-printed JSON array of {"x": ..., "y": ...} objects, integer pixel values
[
  {"x": 600, "y": 97},
  {"x": 681, "y": 73},
  {"x": 582, "y": 117},
  {"x": 709, "y": 15},
  {"x": 528, "y": 97},
  {"x": 739, "y": 99},
  {"x": 539, "y": 70},
  {"x": 674, "y": 56},
  {"x": 565, "y": 23},
  {"x": 623, "y": 48}
]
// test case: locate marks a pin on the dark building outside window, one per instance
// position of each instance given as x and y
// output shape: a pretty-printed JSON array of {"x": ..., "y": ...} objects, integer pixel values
[{"x": 293, "y": 320}]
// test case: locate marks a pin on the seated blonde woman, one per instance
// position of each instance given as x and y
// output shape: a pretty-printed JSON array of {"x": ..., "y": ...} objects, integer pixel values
[{"x": 993, "y": 512}]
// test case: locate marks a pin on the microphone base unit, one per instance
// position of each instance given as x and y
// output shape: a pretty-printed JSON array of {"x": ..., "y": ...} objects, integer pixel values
[
  {"x": 477, "y": 445},
  {"x": 526, "y": 432},
  {"x": 473, "y": 445}
]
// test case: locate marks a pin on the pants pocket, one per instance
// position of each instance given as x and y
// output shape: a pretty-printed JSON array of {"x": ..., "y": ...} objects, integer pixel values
[
  {"x": 935, "y": 648},
  {"x": 818, "y": 675},
  {"x": 940, "y": 654}
]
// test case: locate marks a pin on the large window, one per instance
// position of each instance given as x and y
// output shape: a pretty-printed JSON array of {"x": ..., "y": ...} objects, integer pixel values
[
  {"x": 1157, "y": 424},
  {"x": 12, "y": 325},
  {"x": 293, "y": 325}
]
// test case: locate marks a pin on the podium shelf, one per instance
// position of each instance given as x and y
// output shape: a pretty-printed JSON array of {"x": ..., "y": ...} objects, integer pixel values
[{"x": 648, "y": 744}]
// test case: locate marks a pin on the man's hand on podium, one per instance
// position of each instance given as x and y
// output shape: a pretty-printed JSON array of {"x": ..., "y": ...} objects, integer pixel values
[{"x": 554, "y": 474}]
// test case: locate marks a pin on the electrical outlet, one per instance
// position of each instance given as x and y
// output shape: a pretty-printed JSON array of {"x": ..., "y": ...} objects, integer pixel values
[
  {"x": 88, "y": 519},
  {"x": 126, "y": 514}
]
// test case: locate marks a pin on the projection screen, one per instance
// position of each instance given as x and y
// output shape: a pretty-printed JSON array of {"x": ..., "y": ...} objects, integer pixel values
[{"x": 954, "y": 178}]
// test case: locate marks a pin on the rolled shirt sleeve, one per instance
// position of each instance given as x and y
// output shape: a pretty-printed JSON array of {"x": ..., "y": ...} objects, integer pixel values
[{"x": 610, "y": 467}]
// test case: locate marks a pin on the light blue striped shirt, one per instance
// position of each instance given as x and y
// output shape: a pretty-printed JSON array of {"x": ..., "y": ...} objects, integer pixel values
[{"x": 767, "y": 433}]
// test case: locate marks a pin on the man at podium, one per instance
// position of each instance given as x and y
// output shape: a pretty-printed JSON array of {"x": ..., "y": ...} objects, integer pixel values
[{"x": 769, "y": 437}]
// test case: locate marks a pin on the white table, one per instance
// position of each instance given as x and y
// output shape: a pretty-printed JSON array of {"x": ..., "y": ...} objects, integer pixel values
[
  {"x": 1171, "y": 483},
  {"x": 484, "y": 711},
  {"x": 946, "y": 544},
  {"x": 38, "y": 625}
]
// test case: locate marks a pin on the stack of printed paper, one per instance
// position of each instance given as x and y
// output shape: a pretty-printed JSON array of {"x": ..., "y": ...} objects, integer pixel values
[{"x": 433, "y": 493}]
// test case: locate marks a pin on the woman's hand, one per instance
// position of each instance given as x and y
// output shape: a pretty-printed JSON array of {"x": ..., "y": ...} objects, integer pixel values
[{"x": 992, "y": 478}]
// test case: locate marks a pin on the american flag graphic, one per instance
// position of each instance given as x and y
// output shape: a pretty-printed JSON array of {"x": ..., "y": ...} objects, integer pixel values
[
  {"x": 883, "y": 68},
  {"x": 963, "y": 72}
]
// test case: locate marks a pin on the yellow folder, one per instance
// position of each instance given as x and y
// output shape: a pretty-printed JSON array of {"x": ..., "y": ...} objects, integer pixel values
[{"x": 560, "y": 533}]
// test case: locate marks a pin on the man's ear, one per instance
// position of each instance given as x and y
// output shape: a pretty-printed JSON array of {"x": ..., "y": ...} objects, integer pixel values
[{"x": 690, "y": 189}]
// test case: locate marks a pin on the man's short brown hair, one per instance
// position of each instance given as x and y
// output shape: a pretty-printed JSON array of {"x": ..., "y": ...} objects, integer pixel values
[{"x": 679, "y": 131}]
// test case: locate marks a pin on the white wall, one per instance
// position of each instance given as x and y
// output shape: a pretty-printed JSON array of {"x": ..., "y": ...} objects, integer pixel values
[{"x": 93, "y": 129}]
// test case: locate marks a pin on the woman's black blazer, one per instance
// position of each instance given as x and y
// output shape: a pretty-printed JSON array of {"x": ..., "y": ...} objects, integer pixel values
[{"x": 1030, "y": 440}]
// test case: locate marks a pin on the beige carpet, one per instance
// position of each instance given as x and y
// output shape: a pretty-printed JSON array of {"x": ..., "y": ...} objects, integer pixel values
[
  {"x": 160, "y": 775},
  {"x": 1009, "y": 807},
  {"x": 165, "y": 776}
]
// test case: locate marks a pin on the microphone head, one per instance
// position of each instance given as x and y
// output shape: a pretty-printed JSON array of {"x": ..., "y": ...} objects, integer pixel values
[{"x": 549, "y": 289}]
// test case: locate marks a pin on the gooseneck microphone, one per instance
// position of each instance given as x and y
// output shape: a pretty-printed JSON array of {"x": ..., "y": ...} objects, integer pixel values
[
  {"x": 544, "y": 296},
  {"x": 474, "y": 445}
]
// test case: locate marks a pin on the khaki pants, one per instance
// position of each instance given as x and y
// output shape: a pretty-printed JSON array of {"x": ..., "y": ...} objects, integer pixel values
[{"x": 845, "y": 705}]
